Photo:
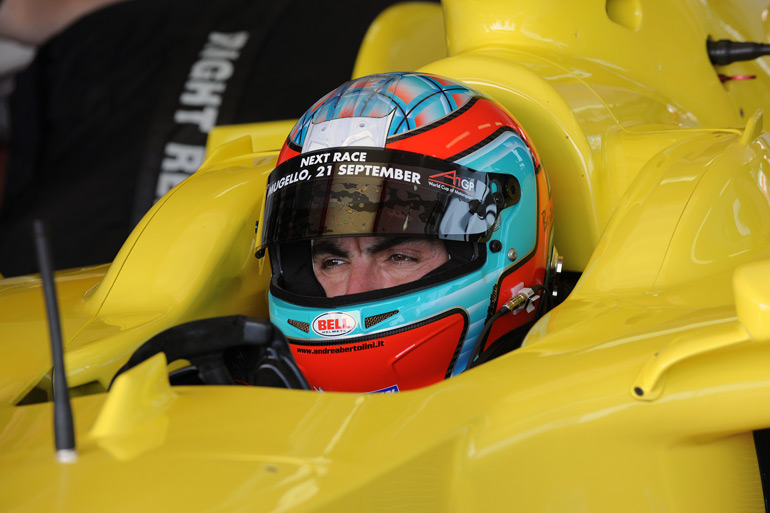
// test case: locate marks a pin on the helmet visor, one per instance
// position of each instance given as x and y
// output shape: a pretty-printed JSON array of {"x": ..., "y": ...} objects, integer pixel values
[{"x": 352, "y": 191}]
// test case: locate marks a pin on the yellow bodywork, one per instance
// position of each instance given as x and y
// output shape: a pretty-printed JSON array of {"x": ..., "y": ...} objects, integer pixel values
[{"x": 642, "y": 391}]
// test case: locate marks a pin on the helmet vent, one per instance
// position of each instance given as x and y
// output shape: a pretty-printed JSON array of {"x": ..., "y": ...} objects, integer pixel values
[
  {"x": 300, "y": 325},
  {"x": 374, "y": 319}
]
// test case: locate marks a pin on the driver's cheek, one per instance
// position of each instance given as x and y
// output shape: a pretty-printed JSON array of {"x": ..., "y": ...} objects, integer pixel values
[
  {"x": 351, "y": 278},
  {"x": 391, "y": 274}
]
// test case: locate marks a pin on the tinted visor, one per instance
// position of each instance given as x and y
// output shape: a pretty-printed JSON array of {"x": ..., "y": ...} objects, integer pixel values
[{"x": 373, "y": 191}]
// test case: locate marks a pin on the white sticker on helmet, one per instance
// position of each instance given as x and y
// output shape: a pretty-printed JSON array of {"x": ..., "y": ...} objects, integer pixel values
[
  {"x": 356, "y": 131},
  {"x": 334, "y": 324}
]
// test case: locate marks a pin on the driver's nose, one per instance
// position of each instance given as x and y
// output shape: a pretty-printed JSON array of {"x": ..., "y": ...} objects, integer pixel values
[{"x": 363, "y": 277}]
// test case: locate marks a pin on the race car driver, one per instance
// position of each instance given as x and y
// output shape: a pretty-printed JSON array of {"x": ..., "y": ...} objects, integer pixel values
[{"x": 406, "y": 221}]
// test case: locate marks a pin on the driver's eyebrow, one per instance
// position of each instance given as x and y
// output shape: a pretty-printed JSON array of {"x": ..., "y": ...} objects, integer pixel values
[
  {"x": 331, "y": 247},
  {"x": 327, "y": 247},
  {"x": 385, "y": 243}
]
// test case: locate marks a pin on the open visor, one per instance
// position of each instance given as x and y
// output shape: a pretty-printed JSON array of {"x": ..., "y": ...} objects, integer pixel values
[{"x": 339, "y": 192}]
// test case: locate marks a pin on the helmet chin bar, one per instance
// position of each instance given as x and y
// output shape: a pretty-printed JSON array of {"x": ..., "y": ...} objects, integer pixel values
[{"x": 390, "y": 360}]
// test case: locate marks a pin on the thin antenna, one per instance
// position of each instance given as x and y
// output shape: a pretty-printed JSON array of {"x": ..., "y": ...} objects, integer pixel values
[{"x": 64, "y": 428}]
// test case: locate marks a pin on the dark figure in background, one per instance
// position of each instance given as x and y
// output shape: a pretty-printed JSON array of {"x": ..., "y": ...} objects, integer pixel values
[{"x": 116, "y": 106}]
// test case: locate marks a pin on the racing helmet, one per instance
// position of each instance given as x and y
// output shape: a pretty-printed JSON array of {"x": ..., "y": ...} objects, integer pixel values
[{"x": 406, "y": 155}]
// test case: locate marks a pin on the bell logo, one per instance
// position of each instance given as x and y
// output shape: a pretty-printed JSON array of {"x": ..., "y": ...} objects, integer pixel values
[{"x": 333, "y": 324}]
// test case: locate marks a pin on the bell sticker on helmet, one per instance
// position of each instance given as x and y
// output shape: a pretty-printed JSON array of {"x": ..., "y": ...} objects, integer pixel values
[{"x": 334, "y": 324}]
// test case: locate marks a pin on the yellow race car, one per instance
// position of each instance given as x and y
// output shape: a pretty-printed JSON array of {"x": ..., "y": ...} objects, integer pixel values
[{"x": 643, "y": 390}]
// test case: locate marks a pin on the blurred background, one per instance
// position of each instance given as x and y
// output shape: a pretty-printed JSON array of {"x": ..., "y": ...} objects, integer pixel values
[{"x": 108, "y": 103}]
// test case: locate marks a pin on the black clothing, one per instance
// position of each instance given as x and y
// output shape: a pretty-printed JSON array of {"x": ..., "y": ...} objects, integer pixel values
[{"x": 115, "y": 110}]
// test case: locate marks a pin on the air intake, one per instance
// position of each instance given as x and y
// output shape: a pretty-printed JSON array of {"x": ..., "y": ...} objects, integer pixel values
[
  {"x": 375, "y": 319},
  {"x": 300, "y": 325}
]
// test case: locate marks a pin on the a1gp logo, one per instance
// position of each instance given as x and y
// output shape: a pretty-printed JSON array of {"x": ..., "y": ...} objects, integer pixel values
[
  {"x": 333, "y": 324},
  {"x": 450, "y": 178}
]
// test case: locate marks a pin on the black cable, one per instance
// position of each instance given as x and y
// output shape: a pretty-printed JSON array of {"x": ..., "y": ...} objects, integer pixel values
[
  {"x": 725, "y": 52},
  {"x": 506, "y": 308}
]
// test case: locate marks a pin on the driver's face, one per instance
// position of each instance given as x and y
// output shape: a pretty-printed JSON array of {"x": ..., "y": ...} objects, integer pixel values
[{"x": 349, "y": 265}]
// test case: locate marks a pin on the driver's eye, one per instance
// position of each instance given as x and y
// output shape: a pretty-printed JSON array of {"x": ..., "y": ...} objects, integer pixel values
[
  {"x": 329, "y": 263},
  {"x": 400, "y": 257}
]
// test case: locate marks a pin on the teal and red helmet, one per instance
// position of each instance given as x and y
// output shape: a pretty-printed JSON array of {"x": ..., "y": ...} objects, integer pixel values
[{"x": 406, "y": 155}]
